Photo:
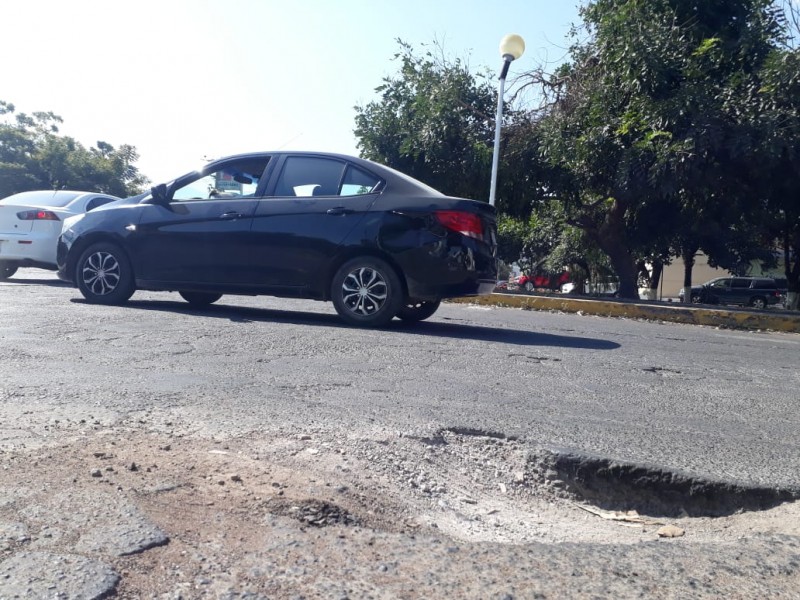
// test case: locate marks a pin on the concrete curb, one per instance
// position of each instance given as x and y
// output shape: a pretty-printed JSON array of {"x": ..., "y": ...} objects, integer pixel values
[{"x": 731, "y": 318}]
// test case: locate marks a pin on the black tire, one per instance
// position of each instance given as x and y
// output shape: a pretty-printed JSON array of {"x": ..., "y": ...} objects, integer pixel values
[
  {"x": 758, "y": 302},
  {"x": 696, "y": 299},
  {"x": 367, "y": 292},
  {"x": 529, "y": 286},
  {"x": 200, "y": 298},
  {"x": 6, "y": 270},
  {"x": 104, "y": 274},
  {"x": 418, "y": 310}
]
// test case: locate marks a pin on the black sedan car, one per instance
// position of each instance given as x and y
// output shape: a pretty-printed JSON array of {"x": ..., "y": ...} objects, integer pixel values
[{"x": 375, "y": 242}]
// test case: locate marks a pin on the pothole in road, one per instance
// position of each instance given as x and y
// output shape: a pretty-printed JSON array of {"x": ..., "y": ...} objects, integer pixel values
[
  {"x": 651, "y": 490},
  {"x": 312, "y": 512},
  {"x": 493, "y": 460}
]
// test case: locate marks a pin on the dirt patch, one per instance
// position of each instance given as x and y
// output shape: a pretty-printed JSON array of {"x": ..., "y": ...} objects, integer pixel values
[{"x": 280, "y": 515}]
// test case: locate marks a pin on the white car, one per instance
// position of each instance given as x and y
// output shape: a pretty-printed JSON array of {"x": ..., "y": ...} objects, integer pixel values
[{"x": 30, "y": 223}]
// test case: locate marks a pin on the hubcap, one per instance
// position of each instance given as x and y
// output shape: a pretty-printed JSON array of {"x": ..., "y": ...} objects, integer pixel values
[
  {"x": 364, "y": 291},
  {"x": 101, "y": 273}
]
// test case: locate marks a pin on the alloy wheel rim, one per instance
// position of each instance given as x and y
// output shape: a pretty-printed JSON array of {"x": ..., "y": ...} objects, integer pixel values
[
  {"x": 364, "y": 291},
  {"x": 101, "y": 273}
]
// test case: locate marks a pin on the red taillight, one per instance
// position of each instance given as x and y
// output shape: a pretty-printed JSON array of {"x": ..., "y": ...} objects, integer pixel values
[
  {"x": 465, "y": 223},
  {"x": 37, "y": 215}
]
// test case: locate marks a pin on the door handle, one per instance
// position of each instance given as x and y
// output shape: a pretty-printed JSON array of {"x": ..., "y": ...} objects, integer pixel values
[
  {"x": 229, "y": 216},
  {"x": 340, "y": 210}
]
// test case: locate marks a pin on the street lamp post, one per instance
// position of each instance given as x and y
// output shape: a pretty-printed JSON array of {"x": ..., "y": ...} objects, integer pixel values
[{"x": 511, "y": 48}]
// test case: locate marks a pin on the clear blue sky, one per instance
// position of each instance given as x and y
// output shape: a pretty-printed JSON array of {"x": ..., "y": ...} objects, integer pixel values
[{"x": 184, "y": 79}]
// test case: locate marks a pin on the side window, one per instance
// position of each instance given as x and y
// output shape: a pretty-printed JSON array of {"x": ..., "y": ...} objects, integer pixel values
[
  {"x": 238, "y": 179},
  {"x": 310, "y": 176},
  {"x": 721, "y": 283},
  {"x": 740, "y": 284},
  {"x": 357, "y": 182},
  {"x": 95, "y": 202}
]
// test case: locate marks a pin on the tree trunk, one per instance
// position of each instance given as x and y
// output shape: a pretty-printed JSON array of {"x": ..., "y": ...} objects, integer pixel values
[
  {"x": 649, "y": 277},
  {"x": 611, "y": 238},
  {"x": 792, "y": 272},
  {"x": 655, "y": 279},
  {"x": 687, "y": 254},
  {"x": 624, "y": 266}
]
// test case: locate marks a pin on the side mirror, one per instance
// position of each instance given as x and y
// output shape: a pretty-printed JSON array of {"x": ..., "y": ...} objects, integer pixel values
[{"x": 159, "y": 194}]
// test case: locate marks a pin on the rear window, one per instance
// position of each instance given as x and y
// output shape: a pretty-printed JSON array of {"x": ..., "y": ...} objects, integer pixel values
[
  {"x": 763, "y": 283},
  {"x": 42, "y": 198},
  {"x": 320, "y": 176}
]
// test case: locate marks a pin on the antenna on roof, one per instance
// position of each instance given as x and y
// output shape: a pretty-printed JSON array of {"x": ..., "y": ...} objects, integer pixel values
[{"x": 282, "y": 146}]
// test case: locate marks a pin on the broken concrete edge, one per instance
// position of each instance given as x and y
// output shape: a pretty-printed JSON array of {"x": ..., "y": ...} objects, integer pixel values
[
  {"x": 679, "y": 313},
  {"x": 648, "y": 488}
]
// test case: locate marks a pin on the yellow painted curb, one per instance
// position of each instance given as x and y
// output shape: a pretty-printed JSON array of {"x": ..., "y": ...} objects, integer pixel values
[{"x": 679, "y": 313}]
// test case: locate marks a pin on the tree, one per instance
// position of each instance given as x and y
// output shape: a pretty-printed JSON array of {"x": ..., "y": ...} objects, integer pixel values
[
  {"x": 777, "y": 173},
  {"x": 644, "y": 135},
  {"x": 33, "y": 155},
  {"x": 434, "y": 121}
]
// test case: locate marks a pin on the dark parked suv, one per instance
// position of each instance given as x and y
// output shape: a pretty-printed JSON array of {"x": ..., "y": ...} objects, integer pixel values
[{"x": 758, "y": 292}]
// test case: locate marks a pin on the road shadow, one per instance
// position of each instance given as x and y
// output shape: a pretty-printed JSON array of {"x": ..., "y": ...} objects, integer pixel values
[
  {"x": 483, "y": 333},
  {"x": 438, "y": 329},
  {"x": 38, "y": 282}
]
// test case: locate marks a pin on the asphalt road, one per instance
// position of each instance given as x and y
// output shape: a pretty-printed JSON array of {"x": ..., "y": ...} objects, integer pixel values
[
  {"x": 714, "y": 403},
  {"x": 153, "y": 450}
]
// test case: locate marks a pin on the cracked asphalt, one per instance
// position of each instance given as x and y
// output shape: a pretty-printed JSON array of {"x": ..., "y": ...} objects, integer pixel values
[{"x": 333, "y": 414}]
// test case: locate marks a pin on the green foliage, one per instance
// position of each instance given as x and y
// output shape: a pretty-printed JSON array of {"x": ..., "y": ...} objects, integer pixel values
[
  {"x": 647, "y": 130},
  {"x": 777, "y": 172},
  {"x": 33, "y": 155},
  {"x": 673, "y": 129},
  {"x": 434, "y": 121}
]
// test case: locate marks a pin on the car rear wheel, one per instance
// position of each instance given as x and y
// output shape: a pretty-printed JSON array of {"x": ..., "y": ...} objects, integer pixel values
[
  {"x": 529, "y": 286},
  {"x": 758, "y": 302},
  {"x": 367, "y": 292},
  {"x": 104, "y": 274},
  {"x": 200, "y": 298},
  {"x": 418, "y": 310},
  {"x": 6, "y": 270}
]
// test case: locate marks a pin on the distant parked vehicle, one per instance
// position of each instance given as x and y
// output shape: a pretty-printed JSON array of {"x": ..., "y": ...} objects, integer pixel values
[
  {"x": 30, "y": 223},
  {"x": 501, "y": 286},
  {"x": 542, "y": 281},
  {"x": 757, "y": 292}
]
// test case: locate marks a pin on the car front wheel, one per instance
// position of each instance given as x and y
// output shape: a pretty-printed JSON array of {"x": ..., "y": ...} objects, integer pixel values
[
  {"x": 529, "y": 286},
  {"x": 758, "y": 302},
  {"x": 104, "y": 274},
  {"x": 6, "y": 270},
  {"x": 418, "y": 311},
  {"x": 367, "y": 292},
  {"x": 696, "y": 299},
  {"x": 200, "y": 298}
]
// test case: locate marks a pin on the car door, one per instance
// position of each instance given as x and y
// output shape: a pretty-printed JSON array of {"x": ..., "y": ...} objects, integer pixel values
[
  {"x": 717, "y": 291},
  {"x": 311, "y": 207},
  {"x": 199, "y": 235},
  {"x": 739, "y": 292}
]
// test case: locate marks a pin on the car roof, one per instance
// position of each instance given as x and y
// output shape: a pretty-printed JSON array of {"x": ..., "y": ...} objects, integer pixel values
[
  {"x": 55, "y": 198},
  {"x": 395, "y": 180}
]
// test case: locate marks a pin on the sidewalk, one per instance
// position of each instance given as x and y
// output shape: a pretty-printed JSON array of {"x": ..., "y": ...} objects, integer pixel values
[{"x": 728, "y": 317}]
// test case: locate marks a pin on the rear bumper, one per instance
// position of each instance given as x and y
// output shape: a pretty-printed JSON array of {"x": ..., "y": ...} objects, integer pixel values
[
  {"x": 29, "y": 247},
  {"x": 441, "y": 271},
  {"x": 422, "y": 291}
]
